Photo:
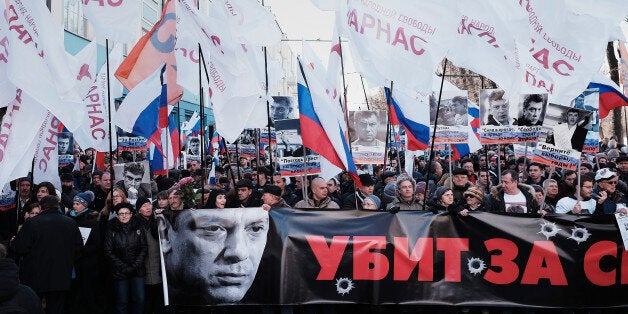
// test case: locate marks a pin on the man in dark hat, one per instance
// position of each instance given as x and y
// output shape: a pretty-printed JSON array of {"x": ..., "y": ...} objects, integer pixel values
[
  {"x": 622, "y": 169},
  {"x": 355, "y": 200},
  {"x": 272, "y": 198},
  {"x": 461, "y": 184},
  {"x": 67, "y": 190},
  {"x": 48, "y": 244},
  {"x": 245, "y": 197}
]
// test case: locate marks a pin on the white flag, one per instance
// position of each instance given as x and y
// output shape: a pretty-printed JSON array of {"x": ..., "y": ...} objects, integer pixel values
[
  {"x": 86, "y": 67},
  {"x": 400, "y": 41},
  {"x": 18, "y": 136},
  {"x": 46, "y": 164},
  {"x": 94, "y": 131},
  {"x": 234, "y": 88},
  {"x": 43, "y": 70},
  {"x": 116, "y": 20},
  {"x": 7, "y": 89},
  {"x": 486, "y": 43},
  {"x": 248, "y": 22},
  {"x": 563, "y": 50}
]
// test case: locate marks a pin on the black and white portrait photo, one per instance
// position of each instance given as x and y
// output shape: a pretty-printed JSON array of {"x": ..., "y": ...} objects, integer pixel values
[
  {"x": 453, "y": 109},
  {"x": 282, "y": 108},
  {"x": 532, "y": 109},
  {"x": 194, "y": 146},
  {"x": 134, "y": 179},
  {"x": 212, "y": 255},
  {"x": 567, "y": 127},
  {"x": 495, "y": 108},
  {"x": 65, "y": 143}
]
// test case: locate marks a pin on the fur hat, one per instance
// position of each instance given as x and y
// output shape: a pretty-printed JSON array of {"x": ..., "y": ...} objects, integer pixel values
[
  {"x": 475, "y": 192},
  {"x": 366, "y": 179}
]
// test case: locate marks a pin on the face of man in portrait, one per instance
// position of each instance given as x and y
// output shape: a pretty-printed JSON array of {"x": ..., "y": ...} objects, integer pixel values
[
  {"x": 64, "y": 145},
  {"x": 499, "y": 110},
  {"x": 280, "y": 110},
  {"x": 533, "y": 112},
  {"x": 447, "y": 114},
  {"x": 572, "y": 118},
  {"x": 194, "y": 147},
  {"x": 132, "y": 180},
  {"x": 366, "y": 128},
  {"x": 214, "y": 253}
]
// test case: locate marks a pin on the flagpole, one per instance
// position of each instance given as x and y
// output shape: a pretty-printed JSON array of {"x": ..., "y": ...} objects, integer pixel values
[
  {"x": 389, "y": 101},
  {"x": 343, "y": 105},
  {"x": 109, "y": 118},
  {"x": 238, "y": 159},
  {"x": 257, "y": 147},
  {"x": 224, "y": 143},
  {"x": 429, "y": 164},
  {"x": 202, "y": 110},
  {"x": 364, "y": 90},
  {"x": 269, "y": 121},
  {"x": 525, "y": 163}
]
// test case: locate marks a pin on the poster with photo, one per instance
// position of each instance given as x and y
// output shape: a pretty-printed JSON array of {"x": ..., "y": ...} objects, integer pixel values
[
  {"x": 562, "y": 136},
  {"x": 134, "y": 179},
  {"x": 65, "y": 148},
  {"x": 453, "y": 120},
  {"x": 283, "y": 108},
  {"x": 368, "y": 136},
  {"x": 503, "y": 122},
  {"x": 193, "y": 149},
  {"x": 590, "y": 100}
]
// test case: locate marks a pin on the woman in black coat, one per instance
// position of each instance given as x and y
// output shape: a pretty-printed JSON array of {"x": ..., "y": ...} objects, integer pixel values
[{"x": 126, "y": 249}]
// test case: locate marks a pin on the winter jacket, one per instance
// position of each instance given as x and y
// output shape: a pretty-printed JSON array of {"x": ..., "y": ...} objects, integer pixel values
[
  {"x": 126, "y": 249},
  {"x": 48, "y": 243},
  {"x": 496, "y": 199},
  {"x": 152, "y": 263},
  {"x": 312, "y": 203},
  {"x": 13, "y": 295}
]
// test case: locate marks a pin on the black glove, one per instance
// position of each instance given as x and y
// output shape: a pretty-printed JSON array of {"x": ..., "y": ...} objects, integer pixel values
[{"x": 394, "y": 210}]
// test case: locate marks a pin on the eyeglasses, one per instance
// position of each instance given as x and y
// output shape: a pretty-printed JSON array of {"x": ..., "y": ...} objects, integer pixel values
[
  {"x": 124, "y": 214},
  {"x": 612, "y": 182},
  {"x": 468, "y": 196}
]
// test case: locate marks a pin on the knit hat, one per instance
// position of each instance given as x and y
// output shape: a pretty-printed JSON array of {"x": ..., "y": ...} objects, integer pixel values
[
  {"x": 85, "y": 198},
  {"x": 391, "y": 189},
  {"x": 375, "y": 200},
  {"x": 420, "y": 187},
  {"x": 141, "y": 201},
  {"x": 439, "y": 192},
  {"x": 475, "y": 192},
  {"x": 272, "y": 189}
]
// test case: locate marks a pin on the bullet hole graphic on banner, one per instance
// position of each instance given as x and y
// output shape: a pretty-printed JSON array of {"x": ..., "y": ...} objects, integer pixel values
[
  {"x": 476, "y": 265},
  {"x": 579, "y": 234},
  {"x": 344, "y": 285},
  {"x": 549, "y": 229}
]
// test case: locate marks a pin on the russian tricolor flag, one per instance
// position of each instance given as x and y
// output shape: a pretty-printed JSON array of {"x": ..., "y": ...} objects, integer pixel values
[
  {"x": 142, "y": 110},
  {"x": 321, "y": 130},
  {"x": 413, "y": 116},
  {"x": 610, "y": 96},
  {"x": 464, "y": 149},
  {"x": 163, "y": 157}
]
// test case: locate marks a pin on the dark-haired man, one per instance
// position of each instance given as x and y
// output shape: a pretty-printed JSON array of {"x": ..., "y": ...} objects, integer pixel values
[
  {"x": 512, "y": 197},
  {"x": 48, "y": 245}
]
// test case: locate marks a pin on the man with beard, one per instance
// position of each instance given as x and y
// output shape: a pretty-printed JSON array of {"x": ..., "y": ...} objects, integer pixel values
[{"x": 67, "y": 190}]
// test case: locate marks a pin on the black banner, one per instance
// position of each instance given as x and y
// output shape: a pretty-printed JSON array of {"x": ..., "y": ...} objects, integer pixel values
[{"x": 404, "y": 258}]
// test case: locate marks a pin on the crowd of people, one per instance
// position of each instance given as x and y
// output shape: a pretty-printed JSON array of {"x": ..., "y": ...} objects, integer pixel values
[{"x": 90, "y": 247}]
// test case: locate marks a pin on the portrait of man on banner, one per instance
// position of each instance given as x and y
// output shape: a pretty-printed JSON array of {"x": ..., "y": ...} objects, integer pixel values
[
  {"x": 194, "y": 146},
  {"x": 532, "y": 110},
  {"x": 571, "y": 130},
  {"x": 134, "y": 179},
  {"x": 495, "y": 108},
  {"x": 212, "y": 256},
  {"x": 367, "y": 128},
  {"x": 65, "y": 143},
  {"x": 283, "y": 108}
]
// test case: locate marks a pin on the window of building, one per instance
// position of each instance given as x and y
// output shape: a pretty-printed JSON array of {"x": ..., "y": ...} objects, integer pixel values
[{"x": 73, "y": 20}]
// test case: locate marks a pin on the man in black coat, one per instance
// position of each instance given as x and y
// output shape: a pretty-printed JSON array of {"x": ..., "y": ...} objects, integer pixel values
[{"x": 48, "y": 245}]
